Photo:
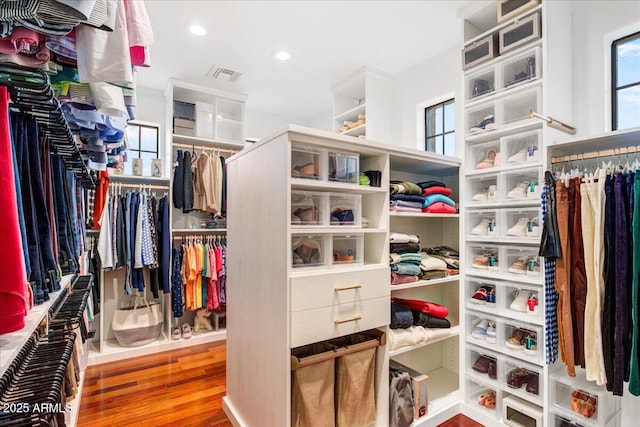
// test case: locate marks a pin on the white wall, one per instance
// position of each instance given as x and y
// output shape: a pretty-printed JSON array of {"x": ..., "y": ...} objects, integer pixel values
[
  {"x": 431, "y": 80},
  {"x": 595, "y": 25},
  {"x": 261, "y": 124},
  {"x": 324, "y": 121}
]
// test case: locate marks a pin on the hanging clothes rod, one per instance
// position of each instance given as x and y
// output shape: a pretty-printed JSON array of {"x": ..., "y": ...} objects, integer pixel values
[
  {"x": 551, "y": 122},
  {"x": 595, "y": 154},
  {"x": 204, "y": 148},
  {"x": 142, "y": 186}
]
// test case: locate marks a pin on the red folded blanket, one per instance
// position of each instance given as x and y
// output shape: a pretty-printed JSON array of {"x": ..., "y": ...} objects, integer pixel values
[
  {"x": 436, "y": 310},
  {"x": 437, "y": 190}
]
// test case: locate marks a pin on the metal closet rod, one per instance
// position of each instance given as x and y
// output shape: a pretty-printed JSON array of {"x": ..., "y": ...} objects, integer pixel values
[
  {"x": 595, "y": 154},
  {"x": 117, "y": 185},
  {"x": 204, "y": 147},
  {"x": 551, "y": 122}
]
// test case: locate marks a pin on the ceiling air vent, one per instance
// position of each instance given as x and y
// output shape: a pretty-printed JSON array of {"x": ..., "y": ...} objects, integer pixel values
[{"x": 220, "y": 73}]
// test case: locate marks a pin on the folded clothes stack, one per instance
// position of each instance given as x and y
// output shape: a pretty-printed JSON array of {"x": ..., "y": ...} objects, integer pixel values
[
  {"x": 404, "y": 258},
  {"x": 438, "y": 262},
  {"x": 422, "y": 197},
  {"x": 408, "y": 312}
]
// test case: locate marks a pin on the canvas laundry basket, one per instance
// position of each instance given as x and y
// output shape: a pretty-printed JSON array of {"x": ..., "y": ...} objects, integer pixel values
[{"x": 139, "y": 324}]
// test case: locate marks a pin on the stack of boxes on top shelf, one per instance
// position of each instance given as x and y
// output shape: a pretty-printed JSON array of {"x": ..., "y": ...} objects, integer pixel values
[{"x": 504, "y": 284}]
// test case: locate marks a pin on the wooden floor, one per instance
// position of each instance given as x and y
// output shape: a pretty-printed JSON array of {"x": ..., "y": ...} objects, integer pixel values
[{"x": 176, "y": 388}]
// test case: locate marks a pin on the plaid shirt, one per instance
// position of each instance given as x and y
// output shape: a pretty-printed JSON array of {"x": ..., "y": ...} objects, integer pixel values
[{"x": 551, "y": 298}]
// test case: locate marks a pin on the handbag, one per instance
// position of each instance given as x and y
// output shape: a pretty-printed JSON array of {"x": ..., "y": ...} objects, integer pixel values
[{"x": 139, "y": 324}]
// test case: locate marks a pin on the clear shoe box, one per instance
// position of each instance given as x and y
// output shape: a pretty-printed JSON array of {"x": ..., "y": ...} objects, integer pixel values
[
  {"x": 347, "y": 249},
  {"x": 523, "y": 148},
  {"x": 478, "y": 391},
  {"x": 521, "y": 224},
  {"x": 483, "y": 259},
  {"x": 523, "y": 185},
  {"x": 476, "y": 115},
  {"x": 308, "y": 208},
  {"x": 517, "y": 412},
  {"x": 516, "y": 108},
  {"x": 520, "y": 262},
  {"x": 480, "y": 84},
  {"x": 483, "y": 189},
  {"x": 523, "y": 379},
  {"x": 483, "y": 224},
  {"x": 306, "y": 163},
  {"x": 521, "y": 69},
  {"x": 529, "y": 306},
  {"x": 484, "y": 156},
  {"x": 345, "y": 210},
  {"x": 485, "y": 305},
  {"x": 527, "y": 343},
  {"x": 573, "y": 398},
  {"x": 478, "y": 363},
  {"x": 308, "y": 251},
  {"x": 474, "y": 319},
  {"x": 344, "y": 167}
]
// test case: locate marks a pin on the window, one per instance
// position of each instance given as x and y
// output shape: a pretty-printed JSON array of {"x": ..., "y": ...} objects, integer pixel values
[
  {"x": 143, "y": 144},
  {"x": 625, "y": 82},
  {"x": 440, "y": 124}
]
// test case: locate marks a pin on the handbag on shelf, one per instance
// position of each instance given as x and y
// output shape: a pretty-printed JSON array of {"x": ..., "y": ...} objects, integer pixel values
[{"x": 139, "y": 324}]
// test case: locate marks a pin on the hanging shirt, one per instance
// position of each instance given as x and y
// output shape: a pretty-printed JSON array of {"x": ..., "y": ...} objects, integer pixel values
[{"x": 104, "y": 240}]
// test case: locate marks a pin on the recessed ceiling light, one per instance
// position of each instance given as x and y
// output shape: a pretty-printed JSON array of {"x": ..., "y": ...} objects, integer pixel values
[
  {"x": 198, "y": 30},
  {"x": 281, "y": 55}
]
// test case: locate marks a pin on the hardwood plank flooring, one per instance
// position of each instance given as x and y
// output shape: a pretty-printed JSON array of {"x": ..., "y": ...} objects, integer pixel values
[{"x": 176, "y": 388}]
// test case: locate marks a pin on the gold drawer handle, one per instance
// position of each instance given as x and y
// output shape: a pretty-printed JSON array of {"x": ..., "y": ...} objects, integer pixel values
[
  {"x": 348, "y": 287},
  {"x": 337, "y": 322}
]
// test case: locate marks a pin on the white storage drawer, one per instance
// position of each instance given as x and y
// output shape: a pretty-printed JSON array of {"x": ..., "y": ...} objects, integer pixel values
[
  {"x": 316, "y": 291},
  {"x": 519, "y": 413},
  {"x": 524, "y": 380},
  {"x": 336, "y": 320}
]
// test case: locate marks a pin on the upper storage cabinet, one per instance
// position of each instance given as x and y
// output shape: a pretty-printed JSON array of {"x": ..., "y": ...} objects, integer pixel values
[
  {"x": 362, "y": 105},
  {"x": 209, "y": 114}
]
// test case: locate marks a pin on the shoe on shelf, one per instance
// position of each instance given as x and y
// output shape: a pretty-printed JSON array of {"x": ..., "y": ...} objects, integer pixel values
[
  {"x": 520, "y": 301},
  {"x": 481, "y": 195},
  {"x": 494, "y": 265},
  {"x": 488, "y": 399},
  {"x": 481, "y": 87},
  {"x": 491, "y": 297},
  {"x": 480, "y": 330},
  {"x": 481, "y": 365},
  {"x": 481, "y": 261},
  {"x": 186, "y": 331},
  {"x": 482, "y": 229},
  {"x": 493, "y": 370},
  {"x": 176, "y": 333},
  {"x": 480, "y": 296},
  {"x": 530, "y": 344},
  {"x": 533, "y": 227},
  {"x": 519, "y": 229},
  {"x": 519, "y": 191},
  {"x": 517, "y": 377},
  {"x": 488, "y": 123},
  {"x": 519, "y": 156},
  {"x": 489, "y": 161},
  {"x": 533, "y": 268},
  {"x": 490, "y": 335},
  {"x": 516, "y": 341},
  {"x": 532, "y": 304},
  {"x": 532, "y": 383},
  {"x": 519, "y": 266}
]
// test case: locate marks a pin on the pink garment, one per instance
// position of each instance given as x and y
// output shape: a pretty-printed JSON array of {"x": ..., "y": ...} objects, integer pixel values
[
  {"x": 139, "y": 31},
  {"x": 213, "y": 294},
  {"x": 13, "y": 286},
  {"x": 437, "y": 190},
  {"x": 439, "y": 207},
  {"x": 399, "y": 279},
  {"x": 21, "y": 40}
]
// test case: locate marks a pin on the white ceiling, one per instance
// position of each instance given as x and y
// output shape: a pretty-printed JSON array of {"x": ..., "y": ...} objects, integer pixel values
[{"x": 328, "y": 40}]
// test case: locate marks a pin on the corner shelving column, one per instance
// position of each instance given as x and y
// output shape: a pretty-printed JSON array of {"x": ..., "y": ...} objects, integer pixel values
[{"x": 439, "y": 357}]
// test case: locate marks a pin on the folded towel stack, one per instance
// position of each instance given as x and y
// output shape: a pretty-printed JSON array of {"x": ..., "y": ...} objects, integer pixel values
[
  {"x": 439, "y": 261},
  {"x": 427, "y": 197}
]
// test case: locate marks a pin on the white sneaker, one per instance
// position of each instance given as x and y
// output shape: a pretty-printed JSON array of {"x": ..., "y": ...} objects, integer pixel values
[
  {"x": 520, "y": 302},
  {"x": 481, "y": 229},
  {"x": 520, "y": 156},
  {"x": 481, "y": 195},
  {"x": 480, "y": 330},
  {"x": 518, "y": 192},
  {"x": 519, "y": 229}
]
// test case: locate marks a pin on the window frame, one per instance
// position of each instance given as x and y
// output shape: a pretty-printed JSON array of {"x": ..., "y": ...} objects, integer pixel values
[
  {"x": 614, "y": 77},
  {"x": 137, "y": 151},
  {"x": 435, "y": 106}
]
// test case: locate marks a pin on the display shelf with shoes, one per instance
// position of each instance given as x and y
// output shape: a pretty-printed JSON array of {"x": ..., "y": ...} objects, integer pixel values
[
  {"x": 482, "y": 329},
  {"x": 523, "y": 380},
  {"x": 484, "y": 396},
  {"x": 345, "y": 210},
  {"x": 484, "y": 258},
  {"x": 523, "y": 302},
  {"x": 522, "y": 149},
  {"x": 483, "y": 156},
  {"x": 523, "y": 185},
  {"x": 307, "y": 163},
  {"x": 483, "y": 364},
  {"x": 347, "y": 249},
  {"x": 516, "y": 107},
  {"x": 524, "y": 67},
  {"x": 522, "y": 262},
  {"x": 482, "y": 224},
  {"x": 481, "y": 119},
  {"x": 483, "y": 295},
  {"x": 308, "y": 209},
  {"x": 522, "y": 340},
  {"x": 480, "y": 84},
  {"x": 482, "y": 189},
  {"x": 522, "y": 224}
]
